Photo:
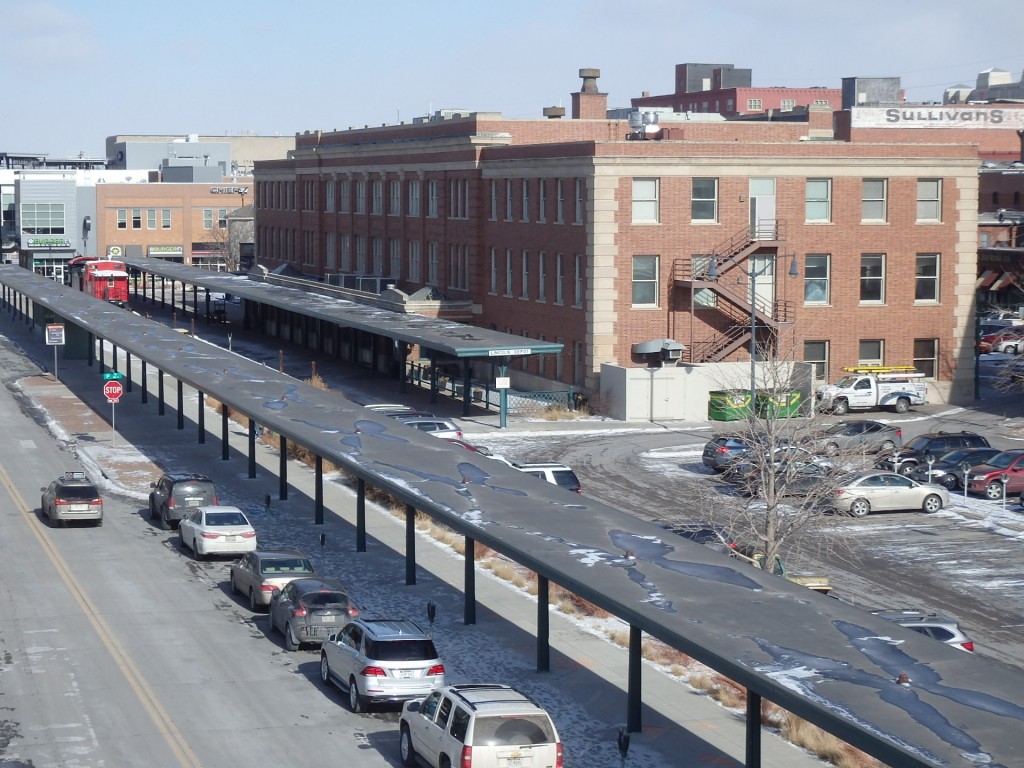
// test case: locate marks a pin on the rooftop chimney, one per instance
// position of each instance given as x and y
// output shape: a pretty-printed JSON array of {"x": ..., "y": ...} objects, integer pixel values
[
  {"x": 589, "y": 103},
  {"x": 554, "y": 113}
]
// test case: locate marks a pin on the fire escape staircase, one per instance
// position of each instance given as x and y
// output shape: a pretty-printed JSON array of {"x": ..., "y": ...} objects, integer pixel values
[{"x": 731, "y": 287}]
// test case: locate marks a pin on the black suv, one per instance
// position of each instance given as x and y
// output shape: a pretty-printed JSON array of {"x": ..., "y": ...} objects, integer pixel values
[
  {"x": 915, "y": 452},
  {"x": 175, "y": 493}
]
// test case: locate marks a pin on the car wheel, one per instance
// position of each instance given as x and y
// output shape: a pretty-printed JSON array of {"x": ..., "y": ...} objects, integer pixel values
[
  {"x": 165, "y": 524},
  {"x": 152, "y": 508},
  {"x": 831, "y": 449},
  {"x": 355, "y": 701},
  {"x": 195, "y": 550},
  {"x": 840, "y": 407},
  {"x": 253, "y": 605},
  {"x": 405, "y": 747},
  {"x": 902, "y": 405},
  {"x": 234, "y": 587},
  {"x": 932, "y": 503},
  {"x": 290, "y": 642},
  {"x": 907, "y": 468},
  {"x": 325, "y": 669},
  {"x": 42, "y": 509},
  {"x": 949, "y": 482},
  {"x": 888, "y": 446},
  {"x": 994, "y": 491},
  {"x": 860, "y": 507}
]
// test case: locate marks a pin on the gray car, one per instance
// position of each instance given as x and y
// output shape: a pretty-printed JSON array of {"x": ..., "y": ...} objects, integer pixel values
[
  {"x": 176, "y": 493},
  {"x": 257, "y": 574},
  {"x": 857, "y": 435},
  {"x": 308, "y": 611},
  {"x": 72, "y": 496},
  {"x": 381, "y": 660}
]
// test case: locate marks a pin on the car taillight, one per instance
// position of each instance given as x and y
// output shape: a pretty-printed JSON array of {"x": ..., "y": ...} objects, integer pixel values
[
  {"x": 459, "y": 433},
  {"x": 299, "y": 611},
  {"x": 721, "y": 449},
  {"x": 558, "y": 755},
  {"x": 899, "y": 433},
  {"x": 373, "y": 672},
  {"x": 579, "y": 489},
  {"x": 267, "y": 587},
  {"x": 467, "y": 757},
  {"x": 840, "y": 491},
  {"x": 215, "y": 502},
  {"x": 353, "y": 611},
  {"x": 170, "y": 503},
  {"x": 210, "y": 535},
  {"x": 249, "y": 535},
  {"x": 733, "y": 545},
  {"x": 437, "y": 669},
  {"x": 968, "y": 646}
]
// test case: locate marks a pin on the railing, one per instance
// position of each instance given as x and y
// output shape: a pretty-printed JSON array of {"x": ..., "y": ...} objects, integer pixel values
[{"x": 484, "y": 395}]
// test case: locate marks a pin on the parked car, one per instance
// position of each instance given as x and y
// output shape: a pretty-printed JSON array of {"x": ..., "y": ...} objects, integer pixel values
[
  {"x": 948, "y": 469},
  {"x": 434, "y": 425},
  {"x": 987, "y": 478},
  {"x": 257, "y": 574},
  {"x": 177, "y": 492},
  {"x": 72, "y": 496},
  {"x": 310, "y": 610},
  {"x": 482, "y": 450},
  {"x": 556, "y": 474},
  {"x": 488, "y": 725},
  {"x": 943, "y": 628},
  {"x": 381, "y": 660},
  {"x": 916, "y": 451},
  {"x": 792, "y": 478},
  {"x": 874, "y": 490},
  {"x": 720, "y": 452},
  {"x": 987, "y": 341},
  {"x": 216, "y": 530},
  {"x": 1010, "y": 342},
  {"x": 860, "y": 435}
]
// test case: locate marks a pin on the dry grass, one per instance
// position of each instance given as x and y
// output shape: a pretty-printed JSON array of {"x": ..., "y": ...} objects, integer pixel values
[{"x": 725, "y": 691}]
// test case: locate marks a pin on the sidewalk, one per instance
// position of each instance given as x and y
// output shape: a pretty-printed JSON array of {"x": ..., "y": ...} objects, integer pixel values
[{"x": 588, "y": 679}]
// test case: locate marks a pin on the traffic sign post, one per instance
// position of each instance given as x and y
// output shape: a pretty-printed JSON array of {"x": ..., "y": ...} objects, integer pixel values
[
  {"x": 112, "y": 390},
  {"x": 55, "y": 338}
]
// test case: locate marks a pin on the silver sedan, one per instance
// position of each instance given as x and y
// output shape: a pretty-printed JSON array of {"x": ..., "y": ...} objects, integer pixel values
[{"x": 878, "y": 491}]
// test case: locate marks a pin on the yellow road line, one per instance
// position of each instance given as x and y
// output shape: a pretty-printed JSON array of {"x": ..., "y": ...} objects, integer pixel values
[{"x": 174, "y": 738}]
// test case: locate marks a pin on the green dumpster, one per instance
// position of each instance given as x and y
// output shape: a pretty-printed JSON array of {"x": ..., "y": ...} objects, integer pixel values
[
  {"x": 778, "y": 404},
  {"x": 729, "y": 405}
]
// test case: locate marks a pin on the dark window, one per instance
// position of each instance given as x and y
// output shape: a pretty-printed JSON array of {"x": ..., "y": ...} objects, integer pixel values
[{"x": 460, "y": 724}]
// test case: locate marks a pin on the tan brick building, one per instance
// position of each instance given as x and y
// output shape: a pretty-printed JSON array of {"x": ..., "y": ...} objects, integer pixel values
[{"x": 569, "y": 230}]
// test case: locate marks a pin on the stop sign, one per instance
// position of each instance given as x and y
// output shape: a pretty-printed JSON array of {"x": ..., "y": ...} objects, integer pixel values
[{"x": 113, "y": 390}]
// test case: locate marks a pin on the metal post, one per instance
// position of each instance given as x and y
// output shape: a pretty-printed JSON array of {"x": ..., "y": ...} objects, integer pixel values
[
  {"x": 753, "y": 731},
  {"x": 360, "y": 515},
  {"x": 282, "y": 474},
  {"x": 318, "y": 501},
  {"x": 160, "y": 391},
  {"x": 410, "y": 545},
  {"x": 633, "y": 691},
  {"x": 252, "y": 447},
  {"x": 181, "y": 404},
  {"x": 201, "y": 417},
  {"x": 543, "y": 626},
  {"x": 753, "y": 338},
  {"x": 469, "y": 581},
  {"x": 224, "y": 446}
]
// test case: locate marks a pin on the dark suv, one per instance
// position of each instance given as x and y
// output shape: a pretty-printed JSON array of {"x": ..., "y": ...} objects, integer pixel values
[
  {"x": 175, "y": 493},
  {"x": 916, "y": 451}
]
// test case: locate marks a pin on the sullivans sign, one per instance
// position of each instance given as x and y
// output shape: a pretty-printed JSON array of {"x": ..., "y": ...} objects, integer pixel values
[{"x": 945, "y": 116}]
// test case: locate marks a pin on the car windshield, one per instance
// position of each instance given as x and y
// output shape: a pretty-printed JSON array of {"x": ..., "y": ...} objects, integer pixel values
[
  {"x": 323, "y": 599},
  {"x": 846, "y": 381},
  {"x": 217, "y": 519},
  {"x": 401, "y": 650},
  {"x": 955, "y": 457},
  {"x": 79, "y": 492},
  {"x": 520, "y": 729},
  {"x": 1003, "y": 460},
  {"x": 566, "y": 479},
  {"x": 290, "y": 565}
]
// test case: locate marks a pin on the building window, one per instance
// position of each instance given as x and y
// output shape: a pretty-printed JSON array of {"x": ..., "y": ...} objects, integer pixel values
[
  {"x": 330, "y": 255},
  {"x": 984, "y": 239},
  {"x": 542, "y": 276},
  {"x": 136, "y": 218},
  {"x": 222, "y": 218},
  {"x": 872, "y": 352},
  {"x": 816, "y": 353},
  {"x": 926, "y": 278},
  {"x": 458, "y": 199},
  {"x": 208, "y": 218},
  {"x": 122, "y": 217},
  {"x": 151, "y": 218},
  {"x": 559, "y": 202},
  {"x": 432, "y": 263},
  {"x": 524, "y": 213},
  {"x": 346, "y": 253},
  {"x": 360, "y": 196},
  {"x": 396, "y": 258},
  {"x": 414, "y": 261},
  {"x": 754, "y": 105},
  {"x": 345, "y": 193},
  {"x": 165, "y": 218},
  {"x": 926, "y": 356},
  {"x": 508, "y": 199},
  {"x": 821, "y": 103},
  {"x": 580, "y": 200},
  {"x": 816, "y": 275},
  {"x": 645, "y": 281},
  {"x": 872, "y": 278},
  {"x": 819, "y": 200},
  {"x": 360, "y": 255},
  {"x": 787, "y": 105},
  {"x": 578, "y": 284},
  {"x": 559, "y": 279},
  {"x": 377, "y": 197},
  {"x": 394, "y": 198},
  {"x": 929, "y": 200},
  {"x": 458, "y": 267},
  {"x": 508, "y": 272},
  {"x": 329, "y": 197},
  {"x": 432, "y": 192},
  {"x": 414, "y": 197},
  {"x": 704, "y": 200},
  {"x": 542, "y": 200},
  {"x": 728, "y": 106},
  {"x": 645, "y": 201},
  {"x": 48, "y": 219},
  {"x": 524, "y": 286},
  {"x": 494, "y": 200},
  {"x": 873, "y": 205},
  {"x": 377, "y": 246},
  {"x": 494, "y": 272}
]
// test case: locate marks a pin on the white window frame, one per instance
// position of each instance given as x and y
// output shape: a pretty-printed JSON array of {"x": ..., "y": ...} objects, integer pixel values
[
  {"x": 415, "y": 268},
  {"x": 814, "y": 282},
  {"x": 330, "y": 250},
  {"x": 699, "y": 201},
  {"x": 929, "y": 363},
  {"x": 929, "y": 200},
  {"x": 509, "y": 190},
  {"x": 542, "y": 276},
  {"x": 542, "y": 201},
  {"x": 394, "y": 197},
  {"x": 377, "y": 197},
  {"x": 524, "y": 275},
  {"x": 646, "y": 200},
  {"x": 377, "y": 247},
  {"x": 925, "y": 280},
  {"x": 755, "y": 105},
  {"x": 819, "y": 366},
  {"x": 647, "y": 280},
  {"x": 395, "y": 269},
  {"x": 494, "y": 200},
  {"x": 346, "y": 252},
  {"x": 433, "y": 263},
  {"x": 579, "y": 286},
  {"x": 493, "y": 290},
  {"x": 874, "y": 200},
  {"x": 559, "y": 201},
  {"x": 872, "y": 360},
  {"x": 880, "y": 279},
  {"x": 508, "y": 272},
  {"x": 432, "y": 193},
  {"x": 524, "y": 214},
  {"x": 414, "y": 198},
  {"x": 345, "y": 196},
  {"x": 329, "y": 197},
  {"x": 360, "y": 194},
  {"x": 818, "y": 201},
  {"x": 560, "y": 278},
  {"x": 580, "y": 201}
]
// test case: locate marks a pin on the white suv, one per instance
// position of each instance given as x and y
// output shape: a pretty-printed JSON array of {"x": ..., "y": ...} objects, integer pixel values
[{"x": 488, "y": 726}]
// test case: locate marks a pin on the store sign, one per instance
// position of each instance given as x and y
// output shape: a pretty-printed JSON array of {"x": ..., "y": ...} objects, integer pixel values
[
  {"x": 504, "y": 352},
  {"x": 47, "y": 242},
  {"x": 229, "y": 190},
  {"x": 115, "y": 251},
  {"x": 946, "y": 116},
  {"x": 165, "y": 250}
]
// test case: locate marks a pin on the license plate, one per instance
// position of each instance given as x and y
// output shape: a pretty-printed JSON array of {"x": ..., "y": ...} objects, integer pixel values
[
  {"x": 404, "y": 674},
  {"x": 515, "y": 762},
  {"x": 233, "y": 538},
  {"x": 327, "y": 619},
  {"x": 78, "y": 508},
  {"x": 193, "y": 502}
]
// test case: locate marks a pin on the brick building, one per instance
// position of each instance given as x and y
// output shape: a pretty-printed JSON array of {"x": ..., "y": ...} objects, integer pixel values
[{"x": 569, "y": 230}]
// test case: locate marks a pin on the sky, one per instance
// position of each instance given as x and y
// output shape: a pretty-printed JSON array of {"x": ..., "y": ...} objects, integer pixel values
[{"x": 78, "y": 71}]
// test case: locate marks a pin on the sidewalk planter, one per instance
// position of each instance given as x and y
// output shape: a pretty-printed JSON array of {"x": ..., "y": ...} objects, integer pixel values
[
  {"x": 728, "y": 405},
  {"x": 778, "y": 404}
]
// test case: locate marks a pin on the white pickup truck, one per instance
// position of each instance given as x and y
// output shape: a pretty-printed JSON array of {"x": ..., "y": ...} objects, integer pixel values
[{"x": 893, "y": 387}]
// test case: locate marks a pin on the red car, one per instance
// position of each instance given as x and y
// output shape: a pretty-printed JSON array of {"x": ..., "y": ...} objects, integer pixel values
[
  {"x": 989, "y": 340},
  {"x": 988, "y": 478}
]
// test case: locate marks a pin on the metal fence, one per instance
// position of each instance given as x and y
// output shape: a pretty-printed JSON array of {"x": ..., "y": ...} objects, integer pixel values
[{"x": 486, "y": 396}]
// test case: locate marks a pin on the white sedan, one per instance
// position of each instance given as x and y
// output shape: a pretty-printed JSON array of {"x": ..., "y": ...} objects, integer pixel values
[
  {"x": 876, "y": 491},
  {"x": 217, "y": 530}
]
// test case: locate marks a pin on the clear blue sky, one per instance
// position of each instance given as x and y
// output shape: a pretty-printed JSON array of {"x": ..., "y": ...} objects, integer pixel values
[{"x": 76, "y": 71}]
